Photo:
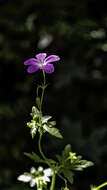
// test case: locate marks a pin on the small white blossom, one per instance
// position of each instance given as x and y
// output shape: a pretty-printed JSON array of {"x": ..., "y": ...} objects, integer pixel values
[
  {"x": 32, "y": 170},
  {"x": 40, "y": 169},
  {"x": 48, "y": 172},
  {"x": 36, "y": 177}
]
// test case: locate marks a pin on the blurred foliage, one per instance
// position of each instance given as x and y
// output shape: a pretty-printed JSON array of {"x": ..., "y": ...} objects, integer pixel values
[{"x": 77, "y": 97}]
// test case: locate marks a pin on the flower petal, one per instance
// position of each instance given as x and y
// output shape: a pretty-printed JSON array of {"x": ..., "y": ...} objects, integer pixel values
[
  {"x": 32, "y": 170},
  {"x": 33, "y": 182},
  {"x": 31, "y": 61},
  {"x": 41, "y": 56},
  {"x": 40, "y": 169},
  {"x": 48, "y": 68},
  {"x": 45, "y": 179},
  {"x": 24, "y": 178},
  {"x": 48, "y": 172},
  {"x": 33, "y": 68},
  {"x": 52, "y": 58}
]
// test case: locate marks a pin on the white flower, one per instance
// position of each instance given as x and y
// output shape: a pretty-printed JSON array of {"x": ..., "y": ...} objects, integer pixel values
[{"x": 36, "y": 177}]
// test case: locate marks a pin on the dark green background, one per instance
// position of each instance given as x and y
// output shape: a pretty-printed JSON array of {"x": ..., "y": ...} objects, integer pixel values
[{"x": 77, "y": 93}]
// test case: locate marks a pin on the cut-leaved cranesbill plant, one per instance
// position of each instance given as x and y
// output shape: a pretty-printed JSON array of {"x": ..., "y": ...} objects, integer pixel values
[{"x": 65, "y": 164}]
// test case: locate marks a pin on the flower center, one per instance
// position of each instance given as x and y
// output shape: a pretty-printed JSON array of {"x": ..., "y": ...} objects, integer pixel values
[{"x": 42, "y": 63}]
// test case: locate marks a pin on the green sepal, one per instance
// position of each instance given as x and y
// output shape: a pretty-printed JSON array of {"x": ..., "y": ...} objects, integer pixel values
[
  {"x": 53, "y": 131},
  {"x": 34, "y": 157},
  {"x": 38, "y": 102}
]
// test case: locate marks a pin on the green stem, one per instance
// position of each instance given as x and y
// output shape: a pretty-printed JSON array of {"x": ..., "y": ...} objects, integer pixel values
[
  {"x": 63, "y": 179},
  {"x": 102, "y": 185},
  {"x": 44, "y": 157},
  {"x": 40, "y": 137},
  {"x": 41, "y": 152},
  {"x": 53, "y": 181},
  {"x": 41, "y": 186},
  {"x": 43, "y": 90},
  {"x": 40, "y": 149},
  {"x": 44, "y": 78}
]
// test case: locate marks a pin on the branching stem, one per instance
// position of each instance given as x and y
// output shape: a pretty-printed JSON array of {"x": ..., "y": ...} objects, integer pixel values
[{"x": 41, "y": 133}]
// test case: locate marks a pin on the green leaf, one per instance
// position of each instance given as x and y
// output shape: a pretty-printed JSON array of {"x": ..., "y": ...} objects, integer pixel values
[
  {"x": 66, "y": 151},
  {"x": 34, "y": 157},
  {"x": 59, "y": 158},
  {"x": 52, "y": 123},
  {"x": 69, "y": 175},
  {"x": 82, "y": 164},
  {"x": 35, "y": 112},
  {"x": 53, "y": 131},
  {"x": 46, "y": 118},
  {"x": 51, "y": 161},
  {"x": 33, "y": 132},
  {"x": 86, "y": 163}
]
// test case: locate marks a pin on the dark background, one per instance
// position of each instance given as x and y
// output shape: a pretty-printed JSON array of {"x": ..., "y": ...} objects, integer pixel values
[{"x": 77, "y": 93}]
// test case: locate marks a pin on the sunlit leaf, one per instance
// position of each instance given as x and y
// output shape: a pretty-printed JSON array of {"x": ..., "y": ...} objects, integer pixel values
[
  {"x": 46, "y": 118},
  {"x": 53, "y": 131}
]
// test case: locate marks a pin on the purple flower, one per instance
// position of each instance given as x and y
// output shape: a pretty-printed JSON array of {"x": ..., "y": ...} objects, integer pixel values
[{"x": 41, "y": 62}]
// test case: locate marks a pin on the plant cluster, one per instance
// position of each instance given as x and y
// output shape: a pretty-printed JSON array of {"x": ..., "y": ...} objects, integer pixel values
[{"x": 65, "y": 164}]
